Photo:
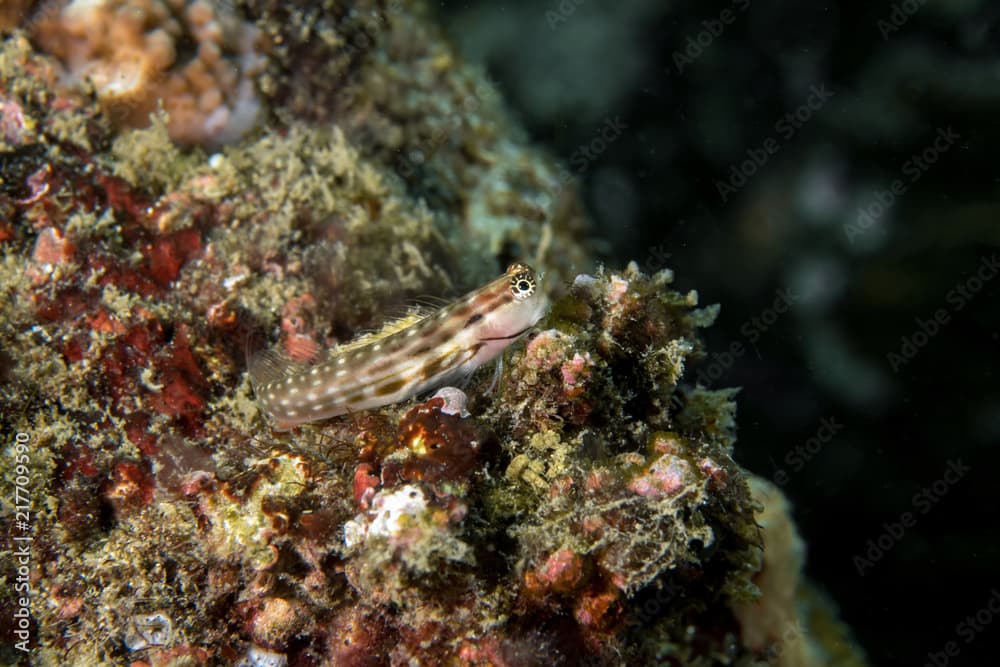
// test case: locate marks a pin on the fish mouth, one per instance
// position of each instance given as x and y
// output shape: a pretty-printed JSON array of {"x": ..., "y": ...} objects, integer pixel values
[{"x": 510, "y": 337}]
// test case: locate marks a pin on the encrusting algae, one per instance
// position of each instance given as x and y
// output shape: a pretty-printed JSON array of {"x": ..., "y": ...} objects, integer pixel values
[{"x": 584, "y": 510}]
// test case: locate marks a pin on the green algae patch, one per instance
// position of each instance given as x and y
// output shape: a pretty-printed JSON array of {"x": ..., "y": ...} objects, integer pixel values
[{"x": 148, "y": 159}]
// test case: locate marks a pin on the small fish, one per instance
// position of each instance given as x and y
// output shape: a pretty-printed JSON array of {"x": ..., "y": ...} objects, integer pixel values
[{"x": 405, "y": 358}]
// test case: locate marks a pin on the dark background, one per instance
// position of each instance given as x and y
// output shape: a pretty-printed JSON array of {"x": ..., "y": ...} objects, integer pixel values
[{"x": 694, "y": 90}]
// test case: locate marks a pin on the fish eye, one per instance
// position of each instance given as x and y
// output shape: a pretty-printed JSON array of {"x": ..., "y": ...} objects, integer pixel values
[{"x": 522, "y": 285}]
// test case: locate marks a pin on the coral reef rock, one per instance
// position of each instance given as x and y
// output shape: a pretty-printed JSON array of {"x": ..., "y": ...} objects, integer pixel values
[{"x": 579, "y": 506}]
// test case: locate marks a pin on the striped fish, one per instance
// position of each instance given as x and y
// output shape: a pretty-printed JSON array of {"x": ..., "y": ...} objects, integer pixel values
[{"x": 405, "y": 358}]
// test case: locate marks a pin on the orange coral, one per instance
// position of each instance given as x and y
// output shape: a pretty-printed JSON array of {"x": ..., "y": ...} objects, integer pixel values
[{"x": 195, "y": 59}]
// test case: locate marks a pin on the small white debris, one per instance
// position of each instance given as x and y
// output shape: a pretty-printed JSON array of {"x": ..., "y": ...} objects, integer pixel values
[
  {"x": 391, "y": 507},
  {"x": 587, "y": 285},
  {"x": 147, "y": 378},
  {"x": 455, "y": 401},
  {"x": 355, "y": 531},
  {"x": 145, "y": 630},
  {"x": 234, "y": 280},
  {"x": 259, "y": 657}
]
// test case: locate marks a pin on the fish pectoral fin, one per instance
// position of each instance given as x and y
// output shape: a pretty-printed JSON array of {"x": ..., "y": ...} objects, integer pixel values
[
  {"x": 270, "y": 366},
  {"x": 497, "y": 373}
]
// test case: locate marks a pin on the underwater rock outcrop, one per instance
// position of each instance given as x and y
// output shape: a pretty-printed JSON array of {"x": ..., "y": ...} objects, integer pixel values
[{"x": 586, "y": 510}]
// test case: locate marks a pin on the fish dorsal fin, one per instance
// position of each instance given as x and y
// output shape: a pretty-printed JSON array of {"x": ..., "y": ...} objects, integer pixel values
[
  {"x": 405, "y": 322},
  {"x": 402, "y": 316},
  {"x": 275, "y": 364},
  {"x": 428, "y": 303},
  {"x": 388, "y": 329},
  {"x": 268, "y": 366}
]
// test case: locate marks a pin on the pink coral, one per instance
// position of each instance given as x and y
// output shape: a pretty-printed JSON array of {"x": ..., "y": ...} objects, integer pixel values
[
  {"x": 366, "y": 483},
  {"x": 13, "y": 129},
  {"x": 617, "y": 289},
  {"x": 53, "y": 248},
  {"x": 575, "y": 373},
  {"x": 548, "y": 348},
  {"x": 562, "y": 572},
  {"x": 664, "y": 477},
  {"x": 277, "y": 620},
  {"x": 297, "y": 317}
]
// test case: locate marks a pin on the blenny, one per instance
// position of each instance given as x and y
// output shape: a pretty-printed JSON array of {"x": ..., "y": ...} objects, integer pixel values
[{"x": 405, "y": 358}]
